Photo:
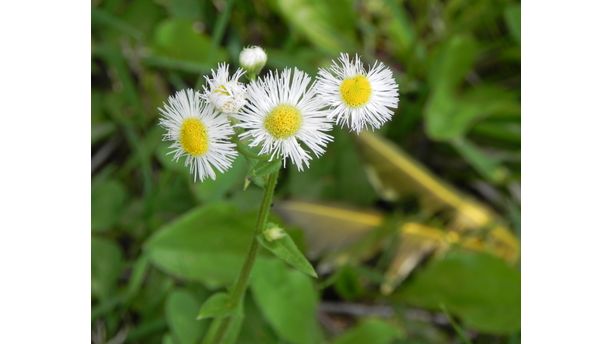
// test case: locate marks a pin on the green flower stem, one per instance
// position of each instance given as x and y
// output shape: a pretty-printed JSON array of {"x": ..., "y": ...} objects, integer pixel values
[{"x": 240, "y": 287}]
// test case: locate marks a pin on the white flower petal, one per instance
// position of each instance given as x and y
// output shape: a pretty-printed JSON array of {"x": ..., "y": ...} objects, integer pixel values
[
  {"x": 220, "y": 153},
  {"x": 293, "y": 88},
  {"x": 380, "y": 106},
  {"x": 225, "y": 92}
]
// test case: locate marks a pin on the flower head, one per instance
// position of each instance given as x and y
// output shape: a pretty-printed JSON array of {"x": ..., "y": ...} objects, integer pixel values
[
  {"x": 253, "y": 59},
  {"x": 358, "y": 98},
  {"x": 282, "y": 114},
  {"x": 199, "y": 133},
  {"x": 225, "y": 93}
]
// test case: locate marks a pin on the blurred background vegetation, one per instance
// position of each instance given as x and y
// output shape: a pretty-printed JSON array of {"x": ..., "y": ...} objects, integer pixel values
[{"x": 414, "y": 230}]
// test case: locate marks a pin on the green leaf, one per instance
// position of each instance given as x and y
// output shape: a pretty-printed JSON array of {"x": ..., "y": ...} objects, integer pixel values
[
  {"x": 181, "y": 312},
  {"x": 176, "y": 40},
  {"x": 284, "y": 248},
  {"x": 108, "y": 198},
  {"x": 258, "y": 171},
  {"x": 370, "y": 331},
  {"x": 167, "y": 339},
  {"x": 512, "y": 15},
  {"x": 232, "y": 332},
  {"x": 449, "y": 116},
  {"x": 348, "y": 284},
  {"x": 139, "y": 271},
  {"x": 106, "y": 266},
  {"x": 329, "y": 25},
  {"x": 288, "y": 300},
  {"x": 184, "y": 9},
  {"x": 216, "y": 306},
  {"x": 206, "y": 245},
  {"x": 255, "y": 328},
  {"x": 452, "y": 62},
  {"x": 399, "y": 27},
  {"x": 488, "y": 167},
  {"x": 482, "y": 290},
  {"x": 262, "y": 168}
]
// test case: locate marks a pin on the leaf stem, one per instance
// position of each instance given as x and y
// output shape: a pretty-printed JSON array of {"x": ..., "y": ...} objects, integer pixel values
[
  {"x": 221, "y": 23},
  {"x": 240, "y": 287}
]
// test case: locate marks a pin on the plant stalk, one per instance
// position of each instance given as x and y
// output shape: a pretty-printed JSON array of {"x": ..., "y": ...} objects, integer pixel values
[{"x": 240, "y": 287}]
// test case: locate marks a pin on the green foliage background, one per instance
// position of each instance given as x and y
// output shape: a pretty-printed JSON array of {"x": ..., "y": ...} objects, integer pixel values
[{"x": 162, "y": 244}]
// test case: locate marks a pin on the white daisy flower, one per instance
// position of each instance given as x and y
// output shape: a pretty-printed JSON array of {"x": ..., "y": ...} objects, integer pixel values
[
  {"x": 199, "y": 133},
  {"x": 283, "y": 112},
  {"x": 226, "y": 93},
  {"x": 253, "y": 59},
  {"x": 358, "y": 98}
]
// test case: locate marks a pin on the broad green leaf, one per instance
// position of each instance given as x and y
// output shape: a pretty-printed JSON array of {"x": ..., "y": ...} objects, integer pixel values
[
  {"x": 177, "y": 40},
  {"x": 206, "y": 245},
  {"x": 284, "y": 248},
  {"x": 167, "y": 339},
  {"x": 153, "y": 294},
  {"x": 184, "y": 9},
  {"x": 512, "y": 15},
  {"x": 181, "y": 312},
  {"x": 108, "y": 198},
  {"x": 288, "y": 300},
  {"x": 143, "y": 15},
  {"x": 254, "y": 328},
  {"x": 171, "y": 197},
  {"x": 216, "y": 306},
  {"x": 441, "y": 116},
  {"x": 370, "y": 331},
  {"x": 452, "y": 62},
  {"x": 329, "y": 25},
  {"x": 106, "y": 266},
  {"x": 483, "y": 291}
]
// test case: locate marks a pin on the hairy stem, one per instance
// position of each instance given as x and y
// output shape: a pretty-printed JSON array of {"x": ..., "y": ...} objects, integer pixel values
[{"x": 240, "y": 287}]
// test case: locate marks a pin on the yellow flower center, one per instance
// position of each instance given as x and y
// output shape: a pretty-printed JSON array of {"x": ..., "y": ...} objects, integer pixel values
[
  {"x": 283, "y": 121},
  {"x": 194, "y": 137},
  {"x": 356, "y": 91}
]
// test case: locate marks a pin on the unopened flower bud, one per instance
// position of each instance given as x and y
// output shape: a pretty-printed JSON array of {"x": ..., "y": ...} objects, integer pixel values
[
  {"x": 274, "y": 233},
  {"x": 253, "y": 59}
]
